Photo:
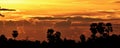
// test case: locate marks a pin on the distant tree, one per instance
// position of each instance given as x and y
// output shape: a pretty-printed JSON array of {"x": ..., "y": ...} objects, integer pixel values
[
  {"x": 101, "y": 28},
  {"x": 108, "y": 28},
  {"x": 93, "y": 28},
  {"x": 15, "y": 34},
  {"x": 50, "y": 31},
  {"x": 3, "y": 41},
  {"x": 82, "y": 37},
  {"x": 50, "y": 35},
  {"x": 3, "y": 38},
  {"x": 57, "y": 36}
]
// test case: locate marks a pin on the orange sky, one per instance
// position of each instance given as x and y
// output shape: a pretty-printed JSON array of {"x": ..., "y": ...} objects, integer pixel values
[
  {"x": 57, "y": 7},
  {"x": 60, "y": 5},
  {"x": 80, "y": 11}
]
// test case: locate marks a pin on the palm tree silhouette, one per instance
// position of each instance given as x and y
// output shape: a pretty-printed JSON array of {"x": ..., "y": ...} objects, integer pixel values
[{"x": 15, "y": 34}]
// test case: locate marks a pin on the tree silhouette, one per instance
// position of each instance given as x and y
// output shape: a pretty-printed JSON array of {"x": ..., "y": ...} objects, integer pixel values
[
  {"x": 82, "y": 37},
  {"x": 15, "y": 34},
  {"x": 50, "y": 31},
  {"x": 3, "y": 38},
  {"x": 3, "y": 41},
  {"x": 108, "y": 28},
  {"x": 57, "y": 36},
  {"x": 101, "y": 28},
  {"x": 50, "y": 35},
  {"x": 93, "y": 28}
]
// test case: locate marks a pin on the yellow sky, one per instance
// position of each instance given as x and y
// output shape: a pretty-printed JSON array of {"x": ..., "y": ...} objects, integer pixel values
[
  {"x": 59, "y": 4},
  {"x": 54, "y": 7}
]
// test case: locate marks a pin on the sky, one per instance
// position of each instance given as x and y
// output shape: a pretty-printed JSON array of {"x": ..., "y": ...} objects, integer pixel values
[
  {"x": 58, "y": 7},
  {"x": 62, "y": 15}
]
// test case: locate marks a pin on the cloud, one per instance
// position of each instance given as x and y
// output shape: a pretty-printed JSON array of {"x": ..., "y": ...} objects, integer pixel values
[
  {"x": 86, "y": 16},
  {"x": 64, "y": 24},
  {"x": 117, "y": 2},
  {"x": 92, "y": 13},
  {"x": 101, "y": 14},
  {"x": 75, "y": 18}
]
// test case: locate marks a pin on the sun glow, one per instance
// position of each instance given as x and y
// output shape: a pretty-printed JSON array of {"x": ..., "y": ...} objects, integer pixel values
[{"x": 11, "y": 1}]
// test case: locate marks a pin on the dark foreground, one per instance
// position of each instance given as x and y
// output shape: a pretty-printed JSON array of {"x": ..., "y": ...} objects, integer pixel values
[
  {"x": 55, "y": 41},
  {"x": 92, "y": 42}
]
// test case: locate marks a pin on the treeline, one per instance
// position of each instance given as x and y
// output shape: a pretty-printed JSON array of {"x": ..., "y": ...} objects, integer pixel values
[{"x": 55, "y": 41}]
